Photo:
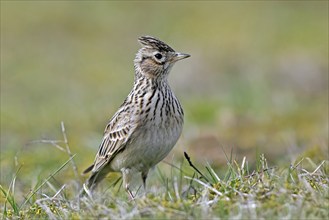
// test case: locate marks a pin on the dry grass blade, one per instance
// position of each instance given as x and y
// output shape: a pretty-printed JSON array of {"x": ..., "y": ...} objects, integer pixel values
[
  {"x": 75, "y": 168},
  {"x": 45, "y": 181},
  {"x": 204, "y": 184}
]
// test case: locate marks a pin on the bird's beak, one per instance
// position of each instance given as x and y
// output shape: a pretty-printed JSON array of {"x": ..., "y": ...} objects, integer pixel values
[{"x": 179, "y": 56}]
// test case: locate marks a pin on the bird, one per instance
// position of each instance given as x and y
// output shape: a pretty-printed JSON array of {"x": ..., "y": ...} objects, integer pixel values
[{"x": 149, "y": 122}]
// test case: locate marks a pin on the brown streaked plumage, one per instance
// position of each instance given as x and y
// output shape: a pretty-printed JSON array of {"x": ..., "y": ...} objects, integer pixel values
[{"x": 148, "y": 123}]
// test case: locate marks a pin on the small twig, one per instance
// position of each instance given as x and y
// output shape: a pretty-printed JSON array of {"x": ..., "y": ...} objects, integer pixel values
[
  {"x": 192, "y": 165},
  {"x": 55, "y": 143},
  {"x": 75, "y": 169}
]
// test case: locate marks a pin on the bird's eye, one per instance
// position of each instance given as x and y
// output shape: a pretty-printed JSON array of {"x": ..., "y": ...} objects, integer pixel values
[{"x": 158, "y": 56}]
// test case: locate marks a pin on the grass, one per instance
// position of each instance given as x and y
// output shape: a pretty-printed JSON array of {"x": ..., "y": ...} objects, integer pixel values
[
  {"x": 257, "y": 82},
  {"x": 298, "y": 191}
]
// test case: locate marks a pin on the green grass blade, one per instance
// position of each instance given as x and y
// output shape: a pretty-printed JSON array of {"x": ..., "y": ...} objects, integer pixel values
[{"x": 44, "y": 182}]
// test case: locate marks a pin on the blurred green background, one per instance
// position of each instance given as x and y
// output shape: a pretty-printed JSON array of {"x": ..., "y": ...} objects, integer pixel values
[{"x": 257, "y": 80}]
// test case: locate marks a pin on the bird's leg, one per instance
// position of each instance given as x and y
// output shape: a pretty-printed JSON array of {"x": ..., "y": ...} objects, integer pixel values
[
  {"x": 144, "y": 176},
  {"x": 129, "y": 192},
  {"x": 126, "y": 179}
]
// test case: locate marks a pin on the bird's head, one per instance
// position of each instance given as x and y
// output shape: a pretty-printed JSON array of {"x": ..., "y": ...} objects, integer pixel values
[{"x": 155, "y": 58}]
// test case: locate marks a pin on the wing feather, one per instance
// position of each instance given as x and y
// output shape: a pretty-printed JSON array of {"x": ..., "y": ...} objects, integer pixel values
[{"x": 116, "y": 134}]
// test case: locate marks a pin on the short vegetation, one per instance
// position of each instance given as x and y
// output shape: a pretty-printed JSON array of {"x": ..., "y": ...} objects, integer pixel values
[
  {"x": 254, "y": 92},
  {"x": 239, "y": 191}
]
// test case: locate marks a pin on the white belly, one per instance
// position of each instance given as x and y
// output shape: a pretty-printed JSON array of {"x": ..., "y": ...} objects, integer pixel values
[{"x": 147, "y": 148}]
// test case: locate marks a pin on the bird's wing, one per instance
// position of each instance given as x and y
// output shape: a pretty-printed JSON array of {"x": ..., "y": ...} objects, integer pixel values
[{"x": 116, "y": 134}]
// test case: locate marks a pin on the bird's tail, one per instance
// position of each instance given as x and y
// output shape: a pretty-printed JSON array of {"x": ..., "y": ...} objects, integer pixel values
[{"x": 92, "y": 181}]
